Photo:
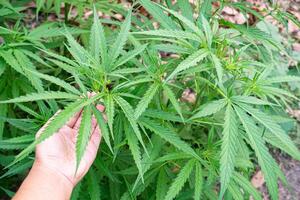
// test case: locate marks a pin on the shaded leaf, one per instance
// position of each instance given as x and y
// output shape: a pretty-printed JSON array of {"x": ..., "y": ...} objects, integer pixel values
[
  {"x": 169, "y": 136},
  {"x": 180, "y": 180}
]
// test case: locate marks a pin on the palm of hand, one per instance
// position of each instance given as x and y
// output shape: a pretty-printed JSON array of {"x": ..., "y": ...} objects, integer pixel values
[{"x": 58, "y": 151}]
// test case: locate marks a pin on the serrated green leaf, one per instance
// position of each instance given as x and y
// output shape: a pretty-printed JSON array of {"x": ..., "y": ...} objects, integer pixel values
[
  {"x": 206, "y": 7},
  {"x": 11, "y": 61},
  {"x": 228, "y": 148},
  {"x": 80, "y": 83},
  {"x": 84, "y": 134},
  {"x": 148, "y": 159},
  {"x": 278, "y": 92},
  {"x": 129, "y": 113},
  {"x": 158, "y": 14},
  {"x": 234, "y": 191},
  {"x": 246, "y": 185},
  {"x": 20, "y": 167},
  {"x": 161, "y": 186},
  {"x": 282, "y": 79},
  {"x": 217, "y": 63},
  {"x": 59, "y": 120},
  {"x": 41, "y": 96},
  {"x": 60, "y": 60},
  {"x": 172, "y": 48},
  {"x": 265, "y": 160},
  {"x": 102, "y": 125},
  {"x": 250, "y": 100},
  {"x": 132, "y": 141},
  {"x": 159, "y": 114},
  {"x": 210, "y": 108},
  {"x": 93, "y": 185},
  {"x": 19, "y": 142},
  {"x": 180, "y": 180},
  {"x": 173, "y": 156},
  {"x": 110, "y": 112},
  {"x": 198, "y": 181},
  {"x": 144, "y": 102},
  {"x": 190, "y": 61},
  {"x": 77, "y": 51},
  {"x": 169, "y": 136},
  {"x": 129, "y": 55},
  {"x": 277, "y": 142},
  {"x": 184, "y": 20},
  {"x": 170, "y": 34},
  {"x": 3, "y": 113},
  {"x": 207, "y": 30},
  {"x": 173, "y": 100},
  {"x": 121, "y": 39},
  {"x": 274, "y": 128},
  {"x": 25, "y": 63},
  {"x": 291, "y": 17},
  {"x": 246, "y": 7},
  {"x": 98, "y": 45},
  {"x": 35, "y": 57},
  {"x": 186, "y": 9},
  {"x": 56, "y": 81}
]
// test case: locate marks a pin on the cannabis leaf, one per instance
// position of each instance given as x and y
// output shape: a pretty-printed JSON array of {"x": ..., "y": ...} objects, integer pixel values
[
  {"x": 143, "y": 104},
  {"x": 169, "y": 136},
  {"x": 180, "y": 180},
  {"x": 229, "y": 147},
  {"x": 84, "y": 134},
  {"x": 265, "y": 160},
  {"x": 134, "y": 148},
  {"x": 41, "y": 96},
  {"x": 103, "y": 127},
  {"x": 190, "y": 61},
  {"x": 210, "y": 108}
]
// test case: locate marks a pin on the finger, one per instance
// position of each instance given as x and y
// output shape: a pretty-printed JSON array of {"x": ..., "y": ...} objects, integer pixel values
[
  {"x": 93, "y": 145},
  {"x": 94, "y": 121},
  {"x": 105, "y": 117},
  {"x": 46, "y": 124},
  {"x": 77, "y": 123},
  {"x": 100, "y": 107},
  {"x": 71, "y": 123},
  {"x": 90, "y": 94},
  {"x": 96, "y": 137}
]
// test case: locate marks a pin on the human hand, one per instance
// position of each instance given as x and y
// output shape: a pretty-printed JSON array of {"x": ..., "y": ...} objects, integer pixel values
[
  {"x": 57, "y": 153},
  {"x": 53, "y": 174}
]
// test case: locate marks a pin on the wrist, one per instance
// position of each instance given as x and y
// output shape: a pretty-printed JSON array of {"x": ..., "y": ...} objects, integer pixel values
[{"x": 53, "y": 179}]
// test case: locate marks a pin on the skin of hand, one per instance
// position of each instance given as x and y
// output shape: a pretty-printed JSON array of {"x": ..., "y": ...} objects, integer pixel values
[{"x": 54, "y": 175}]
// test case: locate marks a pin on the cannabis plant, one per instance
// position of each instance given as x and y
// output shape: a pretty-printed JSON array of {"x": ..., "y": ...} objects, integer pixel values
[{"x": 156, "y": 144}]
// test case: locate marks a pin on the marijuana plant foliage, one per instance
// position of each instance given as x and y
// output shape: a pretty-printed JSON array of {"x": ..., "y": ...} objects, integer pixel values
[{"x": 155, "y": 145}]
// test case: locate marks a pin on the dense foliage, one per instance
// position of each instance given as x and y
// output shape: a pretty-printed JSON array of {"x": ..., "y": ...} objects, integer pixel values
[{"x": 156, "y": 144}]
